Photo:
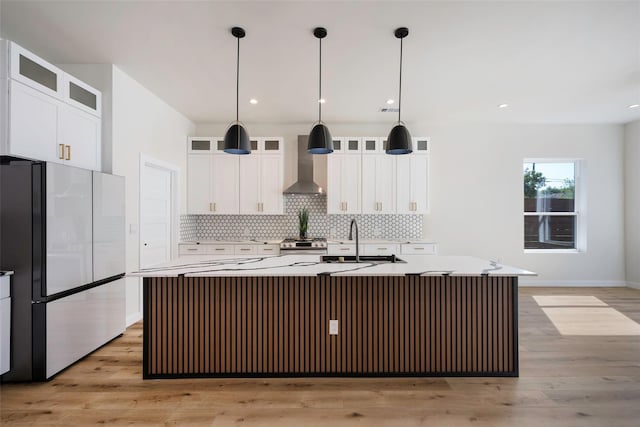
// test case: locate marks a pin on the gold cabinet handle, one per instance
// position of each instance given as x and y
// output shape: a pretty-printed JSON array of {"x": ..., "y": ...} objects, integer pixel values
[
  {"x": 215, "y": 207},
  {"x": 210, "y": 207},
  {"x": 68, "y": 152},
  {"x": 61, "y": 151},
  {"x": 219, "y": 249}
]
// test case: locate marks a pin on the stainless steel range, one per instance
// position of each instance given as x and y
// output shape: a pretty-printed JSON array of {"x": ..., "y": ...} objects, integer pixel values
[{"x": 317, "y": 246}]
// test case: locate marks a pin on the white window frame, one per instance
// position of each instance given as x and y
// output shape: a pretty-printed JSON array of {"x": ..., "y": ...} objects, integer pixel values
[{"x": 578, "y": 212}]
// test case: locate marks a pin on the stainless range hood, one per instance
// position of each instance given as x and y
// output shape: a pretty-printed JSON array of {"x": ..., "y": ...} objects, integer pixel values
[{"x": 304, "y": 184}]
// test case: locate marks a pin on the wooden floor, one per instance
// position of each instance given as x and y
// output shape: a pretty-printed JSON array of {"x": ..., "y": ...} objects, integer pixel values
[{"x": 564, "y": 381}]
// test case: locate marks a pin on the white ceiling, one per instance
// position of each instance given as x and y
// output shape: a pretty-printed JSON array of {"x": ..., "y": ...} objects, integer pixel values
[{"x": 552, "y": 62}]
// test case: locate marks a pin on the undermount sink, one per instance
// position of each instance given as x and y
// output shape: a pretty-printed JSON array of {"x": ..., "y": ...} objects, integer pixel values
[{"x": 375, "y": 259}]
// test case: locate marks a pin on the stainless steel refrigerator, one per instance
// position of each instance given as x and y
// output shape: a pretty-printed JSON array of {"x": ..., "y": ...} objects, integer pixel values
[{"x": 62, "y": 231}]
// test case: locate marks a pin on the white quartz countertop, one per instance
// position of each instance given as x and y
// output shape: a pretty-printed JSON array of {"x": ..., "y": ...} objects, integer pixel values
[{"x": 310, "y": 265}]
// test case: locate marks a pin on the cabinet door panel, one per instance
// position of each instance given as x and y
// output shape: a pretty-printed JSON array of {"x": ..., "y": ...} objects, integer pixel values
[
  {"x": 334, "y": 184},
  {"x": 80, "y": 133},
  {"x": 199, "y": 184},
  {"x": 385, "y": 184},
  {"x": 369, "y": 180},
  {"x": 33, "y": 124},
  {"x": 351, "y": 187},
  {"x": 224, "y": 171},
  {"x": 271, "y": 185},
  {"x": 249, "y": 184},
  {"x": 404, "y": 200},
  {"x": 420, "y": 183}
]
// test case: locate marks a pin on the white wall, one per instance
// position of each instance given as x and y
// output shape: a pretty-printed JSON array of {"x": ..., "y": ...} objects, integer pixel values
[
  {"x": 143, "y": 124},
  {"x": 632, "y": 202},
  {"x": 477, "y": 190}
]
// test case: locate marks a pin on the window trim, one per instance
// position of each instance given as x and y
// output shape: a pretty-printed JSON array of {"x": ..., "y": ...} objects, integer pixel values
[{"x": 578, "y": 206}]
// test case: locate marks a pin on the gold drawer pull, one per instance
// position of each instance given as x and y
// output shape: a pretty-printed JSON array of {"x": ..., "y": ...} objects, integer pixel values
[
  {"x": 68, "y": 152},
  {"x": 61, "y": 151}
]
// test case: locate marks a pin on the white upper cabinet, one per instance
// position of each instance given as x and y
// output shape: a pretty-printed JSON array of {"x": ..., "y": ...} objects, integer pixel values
[
  {"x": 78, "y": 138},
  {"x": 29, "y": 106},
  {"x": 347, "y": 145},
  {"x": 412, "y": 187},
  {"x": 82, "y": 96},
  {"x": 227, "y": 184},
  {"x": 33, "y": 71},
  {"x": 261, "y": 184},
  {"x": 372, "y": 145},
  {"x": 344, "y": 184},
  {"x": 212, "y": 184},
  {"x": 378, "y": 184},
  {"x": 50, "y": 115},
  {"x": 369, "y": 181}
]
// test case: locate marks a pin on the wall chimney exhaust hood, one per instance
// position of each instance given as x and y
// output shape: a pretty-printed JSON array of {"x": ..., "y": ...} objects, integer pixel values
[{"x": 304, "y": 184}]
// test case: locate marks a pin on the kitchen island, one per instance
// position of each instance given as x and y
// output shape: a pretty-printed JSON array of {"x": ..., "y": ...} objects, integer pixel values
[{"x": 295, "y": 316}]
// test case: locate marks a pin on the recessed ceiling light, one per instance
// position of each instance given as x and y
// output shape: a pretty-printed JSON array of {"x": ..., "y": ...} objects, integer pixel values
[
  {"x": 390, "y": 101},
  {"x": 253, "y": 101},
  {"x": 503, "y": 105},
  {"x": 322, "y": 100},
  {"x": 634, "y": 106}
]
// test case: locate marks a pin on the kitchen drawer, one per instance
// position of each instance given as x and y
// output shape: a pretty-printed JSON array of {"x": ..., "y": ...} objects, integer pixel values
[
  {"x": 382, "y": 249},
  {"x": 418, "y": 249},
  {"x": 246, "y": 250},
  {"x": 220, "y": 249},
  {"x": 192, "y": 249},
  {"x": 341, "y": 249},
  {"x": 268, "y": 250}
]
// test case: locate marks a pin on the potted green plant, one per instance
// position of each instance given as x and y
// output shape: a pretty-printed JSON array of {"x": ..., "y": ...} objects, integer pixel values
[{"x": 303, "y": 222}]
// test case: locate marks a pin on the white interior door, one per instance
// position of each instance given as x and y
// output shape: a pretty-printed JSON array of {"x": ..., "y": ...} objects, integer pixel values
[{"x": 155, "y": 215}]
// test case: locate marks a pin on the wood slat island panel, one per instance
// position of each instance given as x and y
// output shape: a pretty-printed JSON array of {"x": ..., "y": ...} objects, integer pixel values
[{"x": 279, "y": 326}]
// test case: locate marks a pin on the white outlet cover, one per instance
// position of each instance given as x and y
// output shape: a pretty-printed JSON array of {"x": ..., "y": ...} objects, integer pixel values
[{"x": 333, "y": 327}]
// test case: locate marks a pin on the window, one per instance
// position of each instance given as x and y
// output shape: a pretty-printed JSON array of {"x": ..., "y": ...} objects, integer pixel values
[{"x": 551, "y": 216}]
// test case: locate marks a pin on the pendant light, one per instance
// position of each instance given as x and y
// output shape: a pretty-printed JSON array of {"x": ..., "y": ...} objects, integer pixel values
[
  {"x": 399, "y": 139},
  {"x": 236, "y": 139},
  {"x": 320, "y": 139}
]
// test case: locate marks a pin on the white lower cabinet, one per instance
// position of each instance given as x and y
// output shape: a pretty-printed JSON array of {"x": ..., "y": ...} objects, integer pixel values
[
  {"x": 341, "y": 248},
  {"x": 380, "y": 249},
  {"x": 268, "y": 249},
  {"x": 246, "y": 249},
  {"x": 418, "y": 248}
]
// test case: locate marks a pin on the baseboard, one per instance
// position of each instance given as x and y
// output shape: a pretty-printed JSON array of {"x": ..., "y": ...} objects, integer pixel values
[
  {"x": 634, "y": 285},
  {"x": 572, "y": 283},
  {"x": 133, "y": 318}
]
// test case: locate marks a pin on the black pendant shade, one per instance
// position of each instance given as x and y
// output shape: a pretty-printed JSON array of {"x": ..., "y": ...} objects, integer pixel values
[
  {"x": 236, "y": 140},
  {"x": 399, "y": 139},
  {"x": 320, "y": 140}
]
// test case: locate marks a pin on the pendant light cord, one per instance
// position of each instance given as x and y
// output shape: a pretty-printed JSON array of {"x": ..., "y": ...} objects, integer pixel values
[
  {"x": 320, "y": 85},
  {"x": 400, "y": 88},
  {"x": 238, "y": 83}
]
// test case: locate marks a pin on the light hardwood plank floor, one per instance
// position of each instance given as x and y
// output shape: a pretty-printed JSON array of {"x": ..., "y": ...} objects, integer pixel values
[{"x": 564, "y": 381}]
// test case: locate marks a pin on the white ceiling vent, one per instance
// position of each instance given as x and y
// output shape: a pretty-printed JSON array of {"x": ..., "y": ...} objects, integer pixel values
[{"x": 389, "y": 109}]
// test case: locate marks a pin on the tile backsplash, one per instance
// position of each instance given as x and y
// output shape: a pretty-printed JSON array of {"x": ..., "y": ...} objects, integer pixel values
[{"x": 209, "y": 227}]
